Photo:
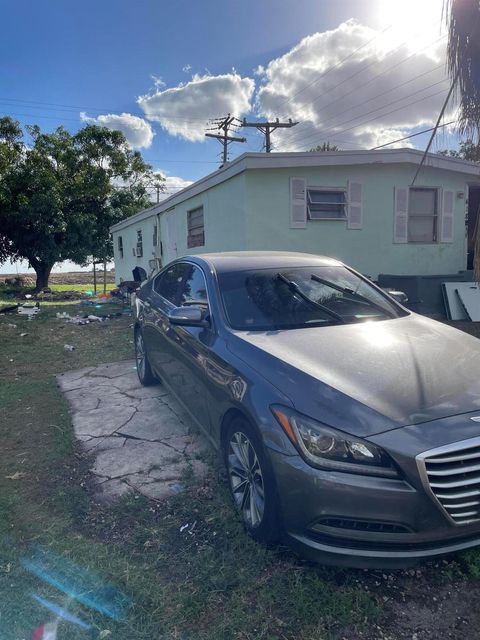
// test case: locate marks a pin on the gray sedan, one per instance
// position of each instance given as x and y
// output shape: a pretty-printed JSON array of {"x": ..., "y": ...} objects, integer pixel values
[{"x": 349, "y": 426}]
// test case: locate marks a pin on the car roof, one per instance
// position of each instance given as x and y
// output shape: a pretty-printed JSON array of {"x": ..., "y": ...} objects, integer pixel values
[{"x": 246, "y": 260}]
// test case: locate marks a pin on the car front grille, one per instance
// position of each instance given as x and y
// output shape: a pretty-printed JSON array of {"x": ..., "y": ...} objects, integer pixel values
[{"x": 453, "y": 475}]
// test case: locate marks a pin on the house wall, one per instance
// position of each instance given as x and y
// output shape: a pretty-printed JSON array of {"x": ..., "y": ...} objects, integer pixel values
[
  {"x": 371, "y": 249},
  {"x": 252, "y": 211},
  {"x": 124, "y": 266},
  {"x": 224, "y": 220}
]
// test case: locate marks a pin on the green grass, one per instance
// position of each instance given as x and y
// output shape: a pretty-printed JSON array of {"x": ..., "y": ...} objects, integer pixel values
[
  {"x": 82, "y": 287},
  {"x": 12, "y": 295},
  {"x": 209, "y": 581}
]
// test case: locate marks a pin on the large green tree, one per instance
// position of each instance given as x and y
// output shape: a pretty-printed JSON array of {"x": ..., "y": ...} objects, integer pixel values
[{"x": 60, "y": 193}]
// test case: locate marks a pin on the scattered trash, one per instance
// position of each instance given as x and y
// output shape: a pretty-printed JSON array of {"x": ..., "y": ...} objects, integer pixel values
[
  {"x": 183, "y": 527},
  {"x": 28, "y": 296},
  {"x": 46, "y": 631},
  {"x": 95, "y": 318},
  {"x": 69, "y": 347},
  {"x": 28, "y": 309},
  {"x": 11, "y": 326},
  {"x": 78, "y": 320},
  {"x": 16, "y": 476},
  {"x": 22, "y": 335}
]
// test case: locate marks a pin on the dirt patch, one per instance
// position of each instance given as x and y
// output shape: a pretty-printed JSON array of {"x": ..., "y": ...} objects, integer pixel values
[
  {"x": 421, "y": 605},
  {"x": 72, "y": 277}
]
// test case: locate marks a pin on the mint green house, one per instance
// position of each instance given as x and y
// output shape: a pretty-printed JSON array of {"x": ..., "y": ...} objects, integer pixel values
[{"x": 357, "y": 206}]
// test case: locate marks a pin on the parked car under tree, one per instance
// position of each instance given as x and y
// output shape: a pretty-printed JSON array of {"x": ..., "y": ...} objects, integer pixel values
[{"x": 349, "y": 425}]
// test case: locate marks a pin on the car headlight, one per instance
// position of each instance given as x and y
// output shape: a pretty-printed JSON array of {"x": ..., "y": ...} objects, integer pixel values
[{"x": 327, "y": 448}]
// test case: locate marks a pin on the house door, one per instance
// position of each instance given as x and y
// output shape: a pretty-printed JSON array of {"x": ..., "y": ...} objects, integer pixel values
[
  {"x": 473, "y": 222},
  {"x": 171, "y": 237}
]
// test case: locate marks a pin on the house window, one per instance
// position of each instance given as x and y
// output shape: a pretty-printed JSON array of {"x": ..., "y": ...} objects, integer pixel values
[
  {"x": 326, "y": 204},
  {"x": 422, "y": 215},
  {"x": 139, "y": 244},
  {"x": 155, "y": 232},
  {"x": 120, "y": 246},
  {"x": 196, "y": 230}
]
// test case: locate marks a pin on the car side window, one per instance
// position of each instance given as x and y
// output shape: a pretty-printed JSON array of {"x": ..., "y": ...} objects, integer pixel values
[
  {"x": 167, "y": 284},
  {"x": 194, "y": 289}
]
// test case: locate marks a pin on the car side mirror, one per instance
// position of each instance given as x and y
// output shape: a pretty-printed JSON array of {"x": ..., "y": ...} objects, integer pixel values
[
  {"x": 398, "y": 296},
  {"x": 188, "y": 316}
]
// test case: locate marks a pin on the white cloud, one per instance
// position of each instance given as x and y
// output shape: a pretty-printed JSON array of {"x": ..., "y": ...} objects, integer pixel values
[
  {"x": 349, "y": 85},
  {"x": 187, "y": 68},
  {"x": 184, "y": 110},
  {"x": 137, "y": 131}
]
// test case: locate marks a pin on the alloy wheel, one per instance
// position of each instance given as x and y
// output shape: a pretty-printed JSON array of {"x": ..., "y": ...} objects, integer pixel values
[{"x": 246, "y": 479}]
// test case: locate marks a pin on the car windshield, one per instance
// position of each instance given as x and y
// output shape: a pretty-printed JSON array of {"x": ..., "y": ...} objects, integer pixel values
[{"x": 290, "y": 298}]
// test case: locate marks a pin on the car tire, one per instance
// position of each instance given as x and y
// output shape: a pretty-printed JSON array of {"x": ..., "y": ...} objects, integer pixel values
[
  {"x": 251, "y": 481},
  {"x": 144, "y": 370}
]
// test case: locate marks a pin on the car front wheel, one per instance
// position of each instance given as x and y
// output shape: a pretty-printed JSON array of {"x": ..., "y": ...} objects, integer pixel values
[
  {"x": 251, "y": 481},
  {"x": 144, "y": 370}
]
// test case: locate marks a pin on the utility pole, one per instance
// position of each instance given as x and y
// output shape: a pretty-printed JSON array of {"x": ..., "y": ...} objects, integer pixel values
[
  {"x": 224, "y": 124},
  {"x": 267, "y": 128}
]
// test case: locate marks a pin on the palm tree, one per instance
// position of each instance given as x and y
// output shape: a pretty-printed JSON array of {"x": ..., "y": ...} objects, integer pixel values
[{"x": 463, "y": 60}]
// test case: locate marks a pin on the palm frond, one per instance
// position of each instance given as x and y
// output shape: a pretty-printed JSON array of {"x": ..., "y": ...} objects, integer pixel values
[{"x": 463, "y": 60}]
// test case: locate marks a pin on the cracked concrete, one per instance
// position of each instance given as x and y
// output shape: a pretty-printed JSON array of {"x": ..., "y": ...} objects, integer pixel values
[{"x": 139, "y": 438}]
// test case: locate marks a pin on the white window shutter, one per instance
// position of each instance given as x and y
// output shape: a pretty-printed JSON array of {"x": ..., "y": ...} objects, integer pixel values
[
  {"x": 400, "y": 224},
  {"x": 298, "y": 203},
  {"x": 354, "y": 205},
  {"x": 447, "y": 218}
]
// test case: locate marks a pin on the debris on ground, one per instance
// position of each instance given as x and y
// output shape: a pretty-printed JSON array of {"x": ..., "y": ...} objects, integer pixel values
[
  {"x": 16, "y": 476},
  {"x": 69, "y": 347},
  {"x": 88, "y": 318},
  {"x": 22, "y": 335},
  {"x": 28, "y": 309}
]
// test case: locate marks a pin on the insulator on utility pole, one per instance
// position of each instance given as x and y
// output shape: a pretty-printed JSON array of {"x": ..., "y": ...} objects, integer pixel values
[
  {"x": 267, "y": 128},
  {"x": 224, "y": 124}
]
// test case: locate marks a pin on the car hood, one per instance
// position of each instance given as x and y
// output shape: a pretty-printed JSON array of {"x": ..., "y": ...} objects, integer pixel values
[{"x": 370, "y": 377}]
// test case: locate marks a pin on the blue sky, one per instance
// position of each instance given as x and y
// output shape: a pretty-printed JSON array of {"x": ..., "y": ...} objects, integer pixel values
[{"x": 353, "y": 71}]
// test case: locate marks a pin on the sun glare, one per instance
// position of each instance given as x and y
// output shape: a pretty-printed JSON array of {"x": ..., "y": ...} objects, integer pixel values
[{"x": 417, "y": 22}]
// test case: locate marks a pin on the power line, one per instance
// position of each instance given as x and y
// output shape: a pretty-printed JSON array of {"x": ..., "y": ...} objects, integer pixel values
[
  {"x": 267, "y": 128},
  {"x": 412, "y": 135},
  {"x": 375, "y": 77},
  {"x": 383, "y": 93},
  {"x": 387, "y": 112},
  {"x": 224, "y": 124},
  {"x": 334, "y": 127},
  {"x": 50, "y": 106},
  {"x": 440, "y": 116},
  {"x": 332, "y": 68}
]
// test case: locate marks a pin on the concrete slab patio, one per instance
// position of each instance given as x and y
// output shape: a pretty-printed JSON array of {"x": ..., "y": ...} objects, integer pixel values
[{"x": 139, "y": 438}]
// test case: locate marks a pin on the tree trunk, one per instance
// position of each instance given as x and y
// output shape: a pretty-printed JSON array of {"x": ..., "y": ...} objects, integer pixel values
[{"x": 42, "y": 269}]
